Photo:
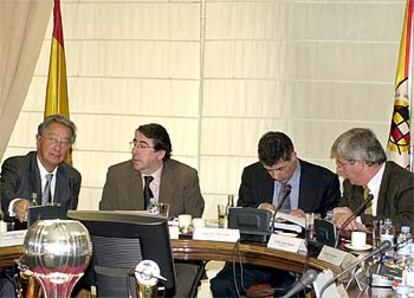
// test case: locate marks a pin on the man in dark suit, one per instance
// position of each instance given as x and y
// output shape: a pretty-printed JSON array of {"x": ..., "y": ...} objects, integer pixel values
[
  {"x": 153, "y": 173},
  {"x": 361, "y": 159},
  {"x": 40, "y": 177},
  {"x": 313, "y": 189},
  {"x": 23, "y": 180}
]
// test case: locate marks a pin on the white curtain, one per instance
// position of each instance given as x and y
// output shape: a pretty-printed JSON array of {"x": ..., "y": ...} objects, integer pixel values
[
  {"x": 218, "y": 75},
  {"x": 23, "y": 24}
]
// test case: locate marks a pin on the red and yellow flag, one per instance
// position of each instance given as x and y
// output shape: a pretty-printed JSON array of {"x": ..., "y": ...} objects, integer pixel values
[
  {"x": 57, "y": 91},
  {"x": 398, "y": 147}
]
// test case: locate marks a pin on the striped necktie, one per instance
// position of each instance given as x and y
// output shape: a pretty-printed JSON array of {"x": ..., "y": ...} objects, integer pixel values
[{"x": 47, "y": 193}]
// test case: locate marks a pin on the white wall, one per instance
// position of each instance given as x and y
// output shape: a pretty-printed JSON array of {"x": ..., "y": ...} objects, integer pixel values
[{"x": 218, "y": 75}]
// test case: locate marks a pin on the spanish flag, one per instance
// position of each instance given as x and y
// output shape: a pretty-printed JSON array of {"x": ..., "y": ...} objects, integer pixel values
[
  {"x": 398, "y": 147},
  {"x": 57, "y": 91}
]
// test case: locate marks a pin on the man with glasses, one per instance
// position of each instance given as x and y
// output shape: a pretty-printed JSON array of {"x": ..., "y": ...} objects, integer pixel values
[
  {"x": 151, "y": 173},
  {"x": 312, "y": 189},
  {"x": 169, "y": 181},
  {"x": 41, "y": 177},
  {"x": 361, "y": 160}
]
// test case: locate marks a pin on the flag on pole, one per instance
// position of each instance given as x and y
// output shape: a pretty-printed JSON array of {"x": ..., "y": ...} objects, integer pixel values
[
  {"x": 398, "y": 147},
  {"x": 57, "y": 92}
]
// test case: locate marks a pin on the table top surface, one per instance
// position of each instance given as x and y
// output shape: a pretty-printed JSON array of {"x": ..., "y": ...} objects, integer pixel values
[{"x": 187, "y": 249}]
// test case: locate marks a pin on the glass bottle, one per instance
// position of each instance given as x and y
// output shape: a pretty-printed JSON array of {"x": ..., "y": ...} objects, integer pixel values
[
  {"x": 388, "y": 234},
  {"x": 34, "y": 199},
  {"x": 230, "y": 203},
  {"x": 404, "y": 248},
  {"x": 153, "y": 207},
  {"x": 330, "y": 216}
]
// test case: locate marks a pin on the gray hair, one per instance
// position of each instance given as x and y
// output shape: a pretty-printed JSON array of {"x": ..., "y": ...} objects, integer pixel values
[
  {"x": 359, "y": 144},
  {"x": 42, "y": 128}
]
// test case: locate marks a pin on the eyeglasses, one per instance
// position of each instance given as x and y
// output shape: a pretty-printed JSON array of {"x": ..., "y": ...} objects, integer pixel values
[
  {"x": 136, "y": 145},
  {"x": 343, "y": 163},
  {"x": 54, "y": 141}
]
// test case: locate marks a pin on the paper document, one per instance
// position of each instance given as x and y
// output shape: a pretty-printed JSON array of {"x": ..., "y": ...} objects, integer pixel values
[
  {"x": 290, "y": 218},
  {"x": 288, "y": 227},
  {"x": 12, "y": 238}
]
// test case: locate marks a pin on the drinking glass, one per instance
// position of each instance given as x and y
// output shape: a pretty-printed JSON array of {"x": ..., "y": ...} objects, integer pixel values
[
  {"x": 222, "y": 215},
  {"x": 310, "y": 233}
]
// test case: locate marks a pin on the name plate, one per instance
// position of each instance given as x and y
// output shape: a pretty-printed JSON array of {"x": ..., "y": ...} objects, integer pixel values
[
  {"x": 321, "y": 280},
  {"x": 332, "y": 255},
  {"x": 12, "y": 238},
  {"x": 174, "y": 232},
  {"x": 285, "y": 243},
  {"x": 215, "y": 234}
]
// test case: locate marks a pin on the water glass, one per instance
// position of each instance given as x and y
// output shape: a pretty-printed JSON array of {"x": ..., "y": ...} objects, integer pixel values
[
  {"x": 222, "y": 215},
  {"x": 310, "y": 233},
  {"x": 164, "y": 209}
]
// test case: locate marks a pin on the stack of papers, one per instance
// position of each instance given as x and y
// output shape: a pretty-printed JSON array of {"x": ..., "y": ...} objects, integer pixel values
[{"x": 286, "y": 222}]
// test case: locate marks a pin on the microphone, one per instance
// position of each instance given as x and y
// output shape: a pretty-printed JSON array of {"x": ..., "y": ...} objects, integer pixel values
[
  {"x": 399, "y": 245},
  {"x": 307, "y": 279},
  {"x": 354, "y": 215},
  {"x": 383, "y": 247},
  {"x": 286, "y": 190}
]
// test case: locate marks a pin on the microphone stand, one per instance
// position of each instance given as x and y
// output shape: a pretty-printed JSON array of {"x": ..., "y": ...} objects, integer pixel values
[
  {"x": 287, "y": 190},
  {"x": 354, "y": 215},
  {"x": 384, "y": 246},
  {"x": 307, "y": 279}
]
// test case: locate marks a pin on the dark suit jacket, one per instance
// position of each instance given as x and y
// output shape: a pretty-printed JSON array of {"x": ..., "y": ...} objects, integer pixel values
[
  {"x": 395, "y": 198},
  {"x": 318, "y": 188},
  {"x": 20, "y": 178},
  {"x": 123, "y": 189}
]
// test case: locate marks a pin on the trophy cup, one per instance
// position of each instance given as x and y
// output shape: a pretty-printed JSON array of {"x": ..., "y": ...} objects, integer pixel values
[
  {"x": 57, "y": 252},
  {"x": 147, "y": 274}
]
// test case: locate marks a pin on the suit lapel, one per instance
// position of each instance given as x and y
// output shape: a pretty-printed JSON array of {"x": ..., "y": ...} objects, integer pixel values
[
  {"x": 134, "y": 189},
  {"x": 35, "y": 181},
  {"x": 62, "y": 187},
  {"x": 166, "y": 185},
  {"x": 383, "y": 190},
  {"x": 306, "y": 188}
]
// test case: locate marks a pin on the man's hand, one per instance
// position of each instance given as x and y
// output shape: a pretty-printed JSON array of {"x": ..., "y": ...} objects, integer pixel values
[
  {"x": 341, "y": 215},
  {"x": 20, "y": 208},
  {"x": 267, "y": 206},
  {"x": 297, "y": 213}
]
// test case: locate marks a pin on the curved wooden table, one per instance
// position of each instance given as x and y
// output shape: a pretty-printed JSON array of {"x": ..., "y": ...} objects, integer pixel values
[
  {"x": 10, "y": 253},
  {"x": 254, "y": 254}
]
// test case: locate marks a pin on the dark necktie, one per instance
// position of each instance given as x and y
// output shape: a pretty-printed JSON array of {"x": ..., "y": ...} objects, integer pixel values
[
  {"x": 147, "y": 191},
  {"x": 47, "y": 193},
  {"x": 286, "y": 205}
]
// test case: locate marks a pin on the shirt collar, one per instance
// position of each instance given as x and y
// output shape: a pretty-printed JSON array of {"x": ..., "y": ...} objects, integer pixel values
[
  {"x": 375, "y": 182},
  {"x": 156, "y": 174},
  {"x": 42, "y": 169}
]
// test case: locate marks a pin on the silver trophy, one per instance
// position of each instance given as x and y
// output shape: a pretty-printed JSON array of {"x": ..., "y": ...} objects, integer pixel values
[{"x": 57, "y": 252}]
